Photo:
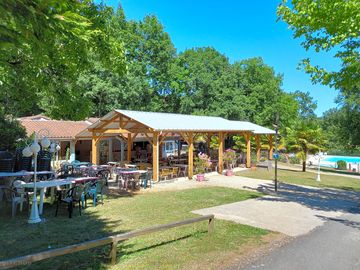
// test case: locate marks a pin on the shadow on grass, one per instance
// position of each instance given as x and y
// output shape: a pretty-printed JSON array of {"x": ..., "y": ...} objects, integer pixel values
[
  {"x": 18, "y": 238},
  {"x": 324, "y": 199},
  {"x": 163, "y": 243}
]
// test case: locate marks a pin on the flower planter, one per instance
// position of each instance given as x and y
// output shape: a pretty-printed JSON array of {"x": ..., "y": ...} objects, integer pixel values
[
  {"x": 200, "y": 177},
  {"x": 229, "y": 173}
]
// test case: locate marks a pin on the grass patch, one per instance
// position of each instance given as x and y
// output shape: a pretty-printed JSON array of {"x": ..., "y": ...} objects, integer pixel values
[
  {"x": 304, "y": 178},
  {"x": 172, "y": 249}
]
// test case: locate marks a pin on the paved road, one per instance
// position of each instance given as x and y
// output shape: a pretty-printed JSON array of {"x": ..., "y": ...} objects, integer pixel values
[
  {"x": 333, "y": 246},
  {"x": 294, "y": 210}
]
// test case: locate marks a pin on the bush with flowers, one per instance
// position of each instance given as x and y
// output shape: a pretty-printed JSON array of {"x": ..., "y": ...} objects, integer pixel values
[
  {"x": 202, "y": 162},
  {"x": 229, "y": 157}
]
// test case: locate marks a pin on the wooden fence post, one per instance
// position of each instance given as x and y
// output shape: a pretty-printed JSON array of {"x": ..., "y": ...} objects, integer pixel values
[
  {"x": 112, "y": 240},
  {"x": 113, "y": 252},
  {"x": 211, "y": 226}
]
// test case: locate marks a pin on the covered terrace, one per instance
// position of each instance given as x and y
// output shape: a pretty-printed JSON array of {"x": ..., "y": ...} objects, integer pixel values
[{"x": 156, "y": 127}]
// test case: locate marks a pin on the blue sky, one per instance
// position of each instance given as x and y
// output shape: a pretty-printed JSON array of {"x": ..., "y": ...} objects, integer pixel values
[{"x": 239, "y": 29}]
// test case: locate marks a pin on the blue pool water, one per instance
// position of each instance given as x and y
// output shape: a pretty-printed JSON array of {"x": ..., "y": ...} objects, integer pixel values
[{"x": 347, "y": 159}]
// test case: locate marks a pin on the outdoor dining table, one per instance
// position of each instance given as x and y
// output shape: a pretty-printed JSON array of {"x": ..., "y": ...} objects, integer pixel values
[
  {"x": 18, "y": 174},
  {"x": 178, "y": 161},
  {"x": 128, "y": 173},
  {"x": 41, "y": 185},
  {"x": 24, "y": 173}
]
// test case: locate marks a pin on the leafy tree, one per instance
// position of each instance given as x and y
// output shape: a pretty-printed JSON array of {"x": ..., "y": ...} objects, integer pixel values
[
  {"x": 261, "y": 89},
  {"x": 146, "y": 85},
  {"x": 342, "y": 128},
  {"x": 44, "y": 47},
  {"x": 328, "y": 25},
  {"x": 307, "y": 105},
  {"x": 207, "y": 84},
  {"x": 303, "y": 138},
  {"x": 10, "y": 132}
]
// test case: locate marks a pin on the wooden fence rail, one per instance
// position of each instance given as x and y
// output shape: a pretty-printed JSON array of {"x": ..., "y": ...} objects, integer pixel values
[{"x": 112, "y": 240}]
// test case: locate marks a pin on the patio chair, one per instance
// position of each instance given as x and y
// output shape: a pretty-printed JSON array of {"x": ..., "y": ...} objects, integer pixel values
[
  {"x": 66, "y": 169},
  {"x": 85, "y": 194},
  {"x": 134, "y": 181},
  {"x": 104, "y": 175},
  {"x": 175, "y": 172},
  {"x": 16, "y": 196},
  {"x": 183, "y": 171},
  {"x": 44, "y": 160},
  {"x": 97, "y": 189},
  {"x": 165, "y": 173},
  {"x": 73, "y": 195},
  {"x": 6, "y": 162},
  {"x": 22, "y": 163},
  {"x": 146, "y": 179}
]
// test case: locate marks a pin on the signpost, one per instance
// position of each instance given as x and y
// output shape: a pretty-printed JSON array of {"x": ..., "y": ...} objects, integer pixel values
[{"x": 276, "y": 154}]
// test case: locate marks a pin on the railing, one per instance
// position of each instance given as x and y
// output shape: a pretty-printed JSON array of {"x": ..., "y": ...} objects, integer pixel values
[{"x": 112, "y": 240}]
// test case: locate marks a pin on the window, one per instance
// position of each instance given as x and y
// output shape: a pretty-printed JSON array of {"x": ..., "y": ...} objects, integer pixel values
[{"x": 169, "y": 146}]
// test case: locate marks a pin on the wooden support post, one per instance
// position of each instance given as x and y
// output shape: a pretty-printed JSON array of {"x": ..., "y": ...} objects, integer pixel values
[
  {"x": 129, "y": 147},
  {"x": 160, "y": 150},
  {"x": 221, "y": 153},
  {"x": 208, "y": 140},
  {"x": 191, "y": 155},
  {"x": 111, "y": 153},
  {"x": 179, "y": 149},
  {"x": 271, "y": 146},
  {"x": 258, "y": 147},
  {"x": 248, "y": 149},
  {"x": 211, "y": 225},
  {"x": 155, "y": 156},
  {"x": 113, "y": 252},
  {"x": 94, "y": 152}
]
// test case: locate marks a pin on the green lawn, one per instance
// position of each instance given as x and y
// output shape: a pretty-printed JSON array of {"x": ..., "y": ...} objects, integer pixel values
[
  {"x": 184, "y": 247},
  {"x": 304, "y": 178}
]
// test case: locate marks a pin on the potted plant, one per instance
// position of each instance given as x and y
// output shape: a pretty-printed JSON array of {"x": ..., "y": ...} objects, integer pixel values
[
  {"x": 253, "y": 161},
  {"x": 201, "y": 162},
  {"x": 229, "y": 157}
]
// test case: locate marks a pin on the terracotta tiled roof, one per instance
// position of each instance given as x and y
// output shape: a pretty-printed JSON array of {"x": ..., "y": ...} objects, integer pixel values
[
  {"x": 92, "y": 120},
  {"x": 58, "y": 129},
  {"x": 38, "y": 117}
]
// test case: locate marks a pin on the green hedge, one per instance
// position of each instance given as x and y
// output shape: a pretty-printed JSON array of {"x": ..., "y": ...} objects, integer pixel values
[
  {"x": 294, "y": 160},
  {"x": 341, "y": 165}
]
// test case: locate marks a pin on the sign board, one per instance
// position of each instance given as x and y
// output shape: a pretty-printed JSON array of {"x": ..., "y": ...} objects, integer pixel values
[{"x": 276, "y": 156}]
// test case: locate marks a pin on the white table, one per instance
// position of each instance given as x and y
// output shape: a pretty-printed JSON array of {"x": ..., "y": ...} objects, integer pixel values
[
  {"x": 41, "y": 185},
  {"x": 24, "y": 173}
]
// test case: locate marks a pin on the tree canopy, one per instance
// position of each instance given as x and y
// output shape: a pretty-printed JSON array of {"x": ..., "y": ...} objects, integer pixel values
[
  {"x": 76, "y": 59},
  {"x": 45, "y": 45},
  {"x": 328, "y": 26}
]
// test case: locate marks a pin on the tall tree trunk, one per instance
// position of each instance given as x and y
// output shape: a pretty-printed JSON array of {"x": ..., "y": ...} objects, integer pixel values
[{"x": 304, "y": 166}]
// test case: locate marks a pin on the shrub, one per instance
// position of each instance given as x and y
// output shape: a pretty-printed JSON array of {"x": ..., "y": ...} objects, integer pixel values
[
  {"x": 229, "y": 157},
  {"x": 201, "y": 162},
  {"x": 294, "y": 160},
  {"x": 282, "y": 158},
  {"x": 341, "y": 164}
]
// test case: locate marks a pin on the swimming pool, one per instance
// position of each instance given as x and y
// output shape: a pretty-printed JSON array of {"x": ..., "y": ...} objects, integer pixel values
[{"x": 345, "y": 158}]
